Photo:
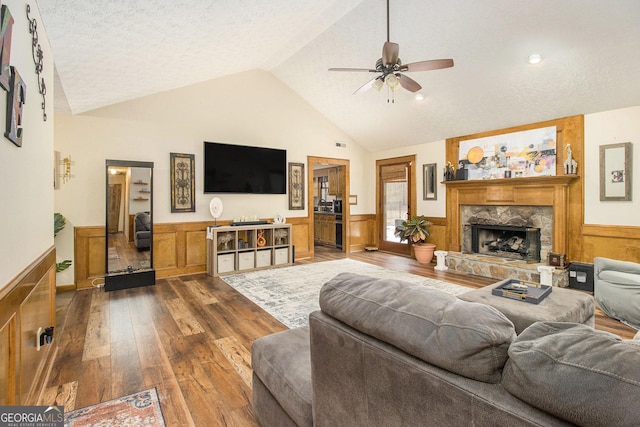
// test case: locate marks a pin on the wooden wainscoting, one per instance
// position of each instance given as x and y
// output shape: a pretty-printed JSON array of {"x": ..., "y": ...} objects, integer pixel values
[
  {"x": 26, "y": 304},
  {"x": 362, "y": 231},
  {"x": 178, "y": 249},
  {"x": 610, "y": 241},
  {"x": 300, "y": 231},
  {"x": 438, "y": 232},
  {"x": 88, "y": 254}
]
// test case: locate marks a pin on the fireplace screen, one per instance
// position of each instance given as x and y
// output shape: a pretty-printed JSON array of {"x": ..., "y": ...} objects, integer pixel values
[{"x": 506, "y": 241}]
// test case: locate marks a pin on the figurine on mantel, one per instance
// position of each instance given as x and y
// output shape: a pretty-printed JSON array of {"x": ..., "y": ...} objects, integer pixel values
[
  {"x": 449, "y": 172},
  {"x": 570, "y": 165}
]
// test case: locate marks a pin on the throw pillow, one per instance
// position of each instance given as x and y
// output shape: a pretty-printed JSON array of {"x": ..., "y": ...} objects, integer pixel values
[{"x": 577, "y": 373}]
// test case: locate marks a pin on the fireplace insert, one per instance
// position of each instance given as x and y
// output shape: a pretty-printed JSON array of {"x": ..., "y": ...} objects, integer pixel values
[{"x": 506, "y": 241}]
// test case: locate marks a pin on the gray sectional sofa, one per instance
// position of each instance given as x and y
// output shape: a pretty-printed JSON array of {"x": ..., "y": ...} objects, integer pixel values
[{"x": 382, "y": 352}]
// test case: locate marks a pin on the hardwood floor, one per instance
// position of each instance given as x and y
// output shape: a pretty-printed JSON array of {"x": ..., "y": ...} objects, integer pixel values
[{"x": 190, "y": 337}]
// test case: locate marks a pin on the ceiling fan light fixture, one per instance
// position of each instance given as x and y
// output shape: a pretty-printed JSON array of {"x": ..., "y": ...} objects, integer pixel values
[
  {"x": 377, "y": 85},
  {"x": 392, "y": 81},
  {"x": 535, "y": 58}
]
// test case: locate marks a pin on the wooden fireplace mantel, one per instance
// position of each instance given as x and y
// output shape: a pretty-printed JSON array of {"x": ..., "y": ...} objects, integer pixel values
[
  {"x": 531, "y": 191},
  {"x": 527, "y": 181}
]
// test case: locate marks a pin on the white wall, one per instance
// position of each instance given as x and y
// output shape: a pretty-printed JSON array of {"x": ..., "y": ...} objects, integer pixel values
[
  {"x": 26, "y": 175},
  {"x": 252, "y": 108},
  {"x": 611, "y": 127}
]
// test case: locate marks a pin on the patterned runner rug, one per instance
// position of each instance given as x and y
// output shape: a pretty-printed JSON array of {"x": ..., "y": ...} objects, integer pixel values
[
  {"x": 138, "y": 409},
  {"x": 290, "y": 293}
]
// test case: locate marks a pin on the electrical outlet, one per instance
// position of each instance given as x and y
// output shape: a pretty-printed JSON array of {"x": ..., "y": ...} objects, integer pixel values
[{"x": 38, "y": 334}]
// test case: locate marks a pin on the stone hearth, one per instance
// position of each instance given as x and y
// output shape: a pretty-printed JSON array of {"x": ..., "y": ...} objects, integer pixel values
[{"x": 502, "y": 268}]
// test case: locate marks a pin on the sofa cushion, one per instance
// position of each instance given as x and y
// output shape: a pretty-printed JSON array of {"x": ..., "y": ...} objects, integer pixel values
[
  {"x": 584, "y": 376},
  {"x": 282, "y": 362},
  {"x": 462, "y": 337}
]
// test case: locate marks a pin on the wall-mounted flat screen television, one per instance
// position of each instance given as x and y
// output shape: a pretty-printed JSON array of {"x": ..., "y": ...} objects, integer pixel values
[{"x": 232, "y": 168}]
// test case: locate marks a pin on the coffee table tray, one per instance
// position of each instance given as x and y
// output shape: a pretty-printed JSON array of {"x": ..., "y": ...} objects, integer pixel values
[{"x": 532, "y": 294}]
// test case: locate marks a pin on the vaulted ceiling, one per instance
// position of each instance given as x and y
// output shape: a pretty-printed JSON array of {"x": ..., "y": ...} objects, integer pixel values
[{"x": 590, "y": 49}]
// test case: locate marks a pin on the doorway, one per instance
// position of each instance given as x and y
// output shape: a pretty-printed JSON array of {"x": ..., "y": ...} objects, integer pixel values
[
  {"x": 325, "y": 199},
  {"x": 114, "y": 213},
  {"x": 395, "y": 200}
]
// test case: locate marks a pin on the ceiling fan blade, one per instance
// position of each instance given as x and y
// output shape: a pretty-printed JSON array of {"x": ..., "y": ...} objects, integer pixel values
[
  {"x": 433, "y": 64},
  {"x": 390, "y": 53},
  {"x": 353, "y": 69},
  {"x": 408, "y": 83},
  {"x": 365, "y": 87}
]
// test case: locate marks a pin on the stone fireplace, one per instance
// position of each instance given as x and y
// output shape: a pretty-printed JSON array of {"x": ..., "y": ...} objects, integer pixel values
[
  {"x": 516, "y": 232},
  {"x": 518, "y": 203},
  {"x": 506, "y": 241}
]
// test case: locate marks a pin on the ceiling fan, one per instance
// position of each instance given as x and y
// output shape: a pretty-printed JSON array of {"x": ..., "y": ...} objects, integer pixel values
[{"x": 390, "y": 68}]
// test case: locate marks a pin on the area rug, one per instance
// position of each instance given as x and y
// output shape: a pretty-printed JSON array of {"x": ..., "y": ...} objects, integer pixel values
[
  {"x": 138, "y": 409},
  {"x": 290, "y": 293}
]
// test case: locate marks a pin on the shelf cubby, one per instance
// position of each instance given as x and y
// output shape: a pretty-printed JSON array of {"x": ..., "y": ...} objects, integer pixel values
[{"x": 232, "y": 249}]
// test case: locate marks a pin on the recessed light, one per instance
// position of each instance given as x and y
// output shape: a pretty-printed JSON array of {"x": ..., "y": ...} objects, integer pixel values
[
  {"x": 419, "y": 97},
  {"x": 534, "y": 58}
]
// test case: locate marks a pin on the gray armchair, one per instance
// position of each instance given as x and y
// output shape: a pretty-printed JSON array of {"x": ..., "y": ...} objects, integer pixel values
[
  {"x": 617, "y": 289},
  {"x": 142, "y": 230}
]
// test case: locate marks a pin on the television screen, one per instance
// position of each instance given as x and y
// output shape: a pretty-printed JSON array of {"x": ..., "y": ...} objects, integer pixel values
[{"x": 242, "y": 169}]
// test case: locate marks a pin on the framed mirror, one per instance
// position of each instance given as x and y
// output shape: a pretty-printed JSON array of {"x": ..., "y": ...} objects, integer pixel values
[
  {"x": 429, "y": 183},
  {"x": 129, "y": 225}
]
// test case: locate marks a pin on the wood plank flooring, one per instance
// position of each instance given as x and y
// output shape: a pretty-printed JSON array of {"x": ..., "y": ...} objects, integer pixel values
[{"x": 190, "y": 337}]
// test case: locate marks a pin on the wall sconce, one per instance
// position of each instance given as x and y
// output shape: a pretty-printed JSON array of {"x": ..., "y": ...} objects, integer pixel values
[{"x": 66, "y": 164}]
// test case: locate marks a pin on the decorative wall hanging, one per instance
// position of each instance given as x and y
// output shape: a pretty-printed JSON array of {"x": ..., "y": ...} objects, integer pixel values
[
  {"x": 511, "y": 155},
  {"x": 38, "y": 59},
  {"x": 183, "y": 187},
  {"x": 6, "y": 29},
  {"x": 429, "y": 183},
  {"x": 615, "y": 172},
  {"x": 11, "y": 81},
  {"x": 296, "y": 186}
]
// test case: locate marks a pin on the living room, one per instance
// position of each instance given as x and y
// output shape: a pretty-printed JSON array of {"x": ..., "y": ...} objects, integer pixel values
[{"x": 252, "y": 107}]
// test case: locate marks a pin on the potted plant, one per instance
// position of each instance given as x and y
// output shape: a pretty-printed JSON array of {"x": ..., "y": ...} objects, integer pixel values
[
  {"x": 59, "y": 222},
  {"x": 416, "y": 231}
]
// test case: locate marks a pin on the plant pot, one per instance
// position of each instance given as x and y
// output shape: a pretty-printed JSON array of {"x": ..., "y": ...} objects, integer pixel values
[{"x": 424, "y": 252}]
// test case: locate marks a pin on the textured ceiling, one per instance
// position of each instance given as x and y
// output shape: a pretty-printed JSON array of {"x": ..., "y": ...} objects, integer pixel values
[{"x": 590, "y": 47}]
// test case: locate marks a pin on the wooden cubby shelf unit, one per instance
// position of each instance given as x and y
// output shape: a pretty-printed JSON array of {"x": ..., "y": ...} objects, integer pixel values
[{"x": 232, "y": 249}]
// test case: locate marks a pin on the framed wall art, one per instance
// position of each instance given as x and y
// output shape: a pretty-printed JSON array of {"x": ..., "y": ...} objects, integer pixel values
[
  {"x": 296, "y": 186},
  {"x": 429, "y": 183},
  {"x": 615, "y": 172},
  {"x": 183, "y": 186},
  {"x": 520, "y": 154}
]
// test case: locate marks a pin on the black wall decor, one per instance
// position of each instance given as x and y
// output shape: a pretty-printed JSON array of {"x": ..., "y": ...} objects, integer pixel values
[
  {"x": 38, "y": 57},
  {"x": 183, "y": 186}
]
